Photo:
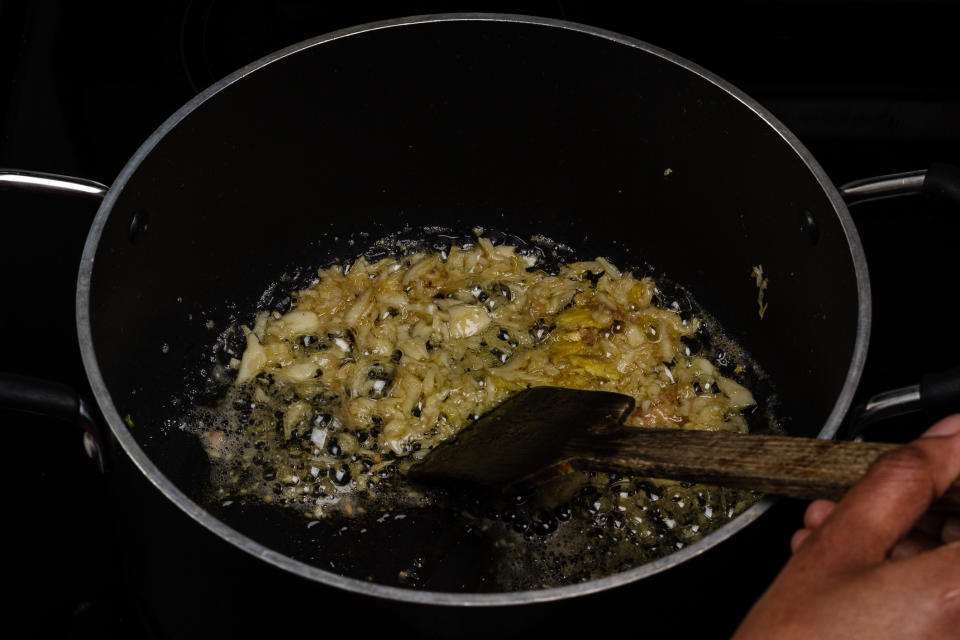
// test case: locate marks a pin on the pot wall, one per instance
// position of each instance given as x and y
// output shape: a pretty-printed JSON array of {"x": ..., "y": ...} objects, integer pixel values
[{"x": 529, "y": 129}]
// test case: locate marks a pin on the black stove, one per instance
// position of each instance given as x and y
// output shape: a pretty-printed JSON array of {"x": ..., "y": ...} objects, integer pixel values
[{"x": 868, "y": 87}]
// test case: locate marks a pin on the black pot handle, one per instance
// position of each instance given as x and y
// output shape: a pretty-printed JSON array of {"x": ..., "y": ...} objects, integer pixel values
[
  {"x": 32, "y": 395},
  {"x": 937, "y": 396},
  {"x": 940, "y": 183},
  {"x": 51, "y": 183},
  {"x": 940, "y": 393},
  {"x": 54, "y": 400},
  {"x": 43, "y": 397}
]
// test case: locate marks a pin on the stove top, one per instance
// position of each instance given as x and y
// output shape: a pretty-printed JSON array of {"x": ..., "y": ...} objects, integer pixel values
[{"x": 868, "y": 87}]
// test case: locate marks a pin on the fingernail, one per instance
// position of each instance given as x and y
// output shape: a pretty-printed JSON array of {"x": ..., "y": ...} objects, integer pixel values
[{"x": 947, "y": 427}]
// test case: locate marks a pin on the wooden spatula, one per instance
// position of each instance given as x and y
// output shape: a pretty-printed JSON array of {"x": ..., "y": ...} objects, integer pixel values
[{"x": 545, "y": 432}]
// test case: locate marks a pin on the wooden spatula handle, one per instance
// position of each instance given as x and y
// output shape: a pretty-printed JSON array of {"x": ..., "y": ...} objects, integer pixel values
[{"x": 787, "y": 466}]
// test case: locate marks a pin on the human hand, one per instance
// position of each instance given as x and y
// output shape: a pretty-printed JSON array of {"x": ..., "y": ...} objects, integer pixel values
[{"x": 874, "y": 565}]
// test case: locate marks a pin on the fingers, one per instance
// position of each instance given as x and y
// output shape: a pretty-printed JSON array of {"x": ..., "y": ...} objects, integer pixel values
[
  {"x": 946, "y": 427},
  {"x": 798, "y": 539},
  {"x": 817, "y": 512},
  {"x": 882, "y": 508},
  {"x": 912, "y": 545},
  {"x": 932, "y": 581},
  {"x": 813, "y": 517},
  {"x": 916, "y": 542}
]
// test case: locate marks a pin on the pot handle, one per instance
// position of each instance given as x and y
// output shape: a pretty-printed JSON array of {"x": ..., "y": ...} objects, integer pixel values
[
  {"x": 937, "y": 395},
  {"x": 52, "y": 183},
  {"x": 54, "y": 400},
  {"x": 44, "y": 397},
  {"x": 940, "y": 183}
]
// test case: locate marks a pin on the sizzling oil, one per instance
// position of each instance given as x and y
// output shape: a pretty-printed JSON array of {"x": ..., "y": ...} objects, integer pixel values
[{"x": 582, "y": 527}]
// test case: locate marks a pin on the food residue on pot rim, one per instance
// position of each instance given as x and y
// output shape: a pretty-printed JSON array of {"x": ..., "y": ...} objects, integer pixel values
[{"x": 762, "y": 282}]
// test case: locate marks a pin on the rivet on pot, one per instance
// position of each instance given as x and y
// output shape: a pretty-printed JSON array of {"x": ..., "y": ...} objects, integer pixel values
[
  {"x": 138, "y": 224},
  {"x": 92, "y": 449},
  {"x": 808, "y": 224}
]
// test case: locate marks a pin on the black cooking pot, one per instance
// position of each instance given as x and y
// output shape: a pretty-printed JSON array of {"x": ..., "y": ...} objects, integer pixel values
[{"x": 523, "y": 125}]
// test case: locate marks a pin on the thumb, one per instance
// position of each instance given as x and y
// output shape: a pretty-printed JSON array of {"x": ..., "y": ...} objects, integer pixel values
[{"x": 883, "y": 507}]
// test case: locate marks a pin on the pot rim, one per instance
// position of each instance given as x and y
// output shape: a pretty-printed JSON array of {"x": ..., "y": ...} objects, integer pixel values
[{"x": 201, "y": 516}]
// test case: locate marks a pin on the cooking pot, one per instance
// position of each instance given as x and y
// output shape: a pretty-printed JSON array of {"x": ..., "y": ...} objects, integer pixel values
[{"x": 518, "y": 124}]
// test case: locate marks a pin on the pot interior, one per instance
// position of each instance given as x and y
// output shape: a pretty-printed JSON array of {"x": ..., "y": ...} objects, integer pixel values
[{"x": 521, "y": 127}]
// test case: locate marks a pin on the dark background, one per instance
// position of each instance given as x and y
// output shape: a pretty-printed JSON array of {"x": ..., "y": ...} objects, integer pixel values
[{"x": 868, "y": 87}]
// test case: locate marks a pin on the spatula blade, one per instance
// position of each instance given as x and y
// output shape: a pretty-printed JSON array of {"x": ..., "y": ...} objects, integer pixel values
[{"x": 523, "y": 440}]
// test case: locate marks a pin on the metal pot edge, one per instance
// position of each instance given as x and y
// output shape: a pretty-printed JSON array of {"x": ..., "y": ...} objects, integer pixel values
[{"x": 168, "y": 489}]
